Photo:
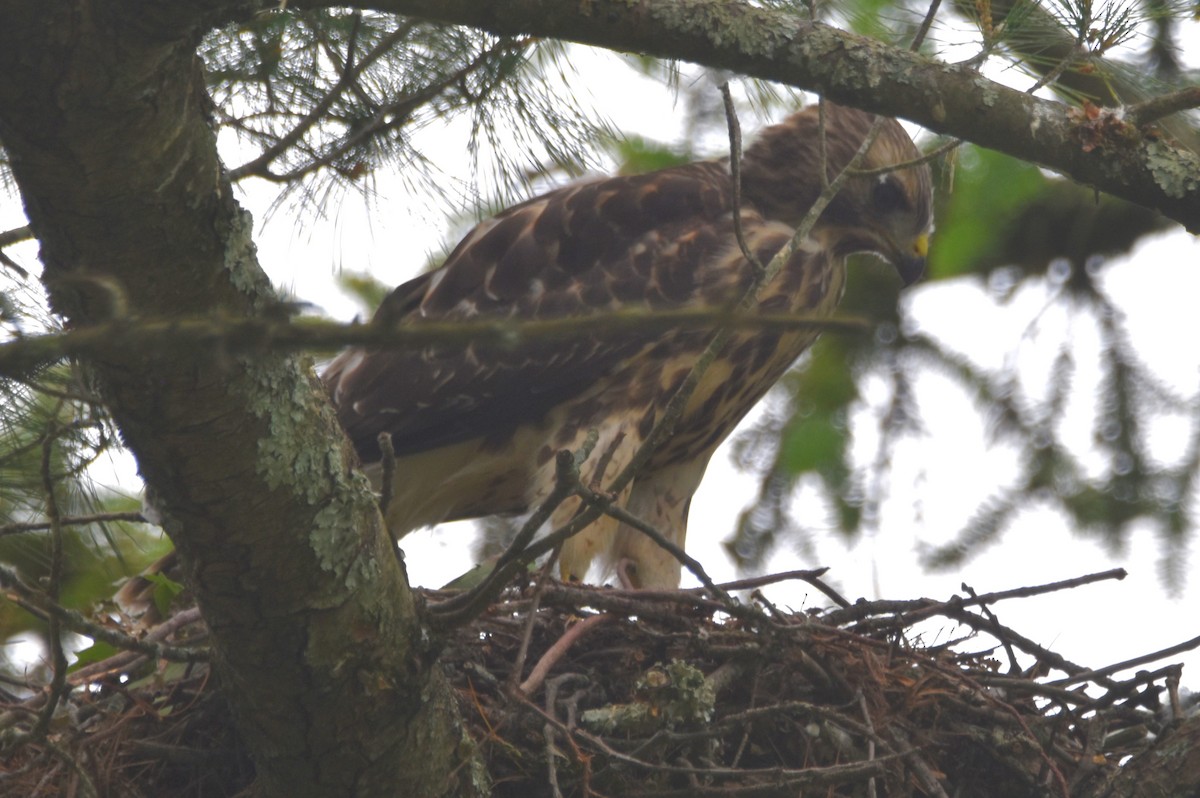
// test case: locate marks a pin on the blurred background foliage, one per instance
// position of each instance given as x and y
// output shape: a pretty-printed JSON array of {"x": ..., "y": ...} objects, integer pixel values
[{"x": 322, "y": 103}]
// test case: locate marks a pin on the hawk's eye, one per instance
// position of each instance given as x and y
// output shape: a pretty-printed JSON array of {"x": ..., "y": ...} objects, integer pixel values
[{"x": 888, "y": 196}]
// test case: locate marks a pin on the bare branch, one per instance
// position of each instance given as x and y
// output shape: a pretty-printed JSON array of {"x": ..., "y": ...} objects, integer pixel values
[
  {"x": 1169, "y": 651},
  {"x": 73, "y": 520},
  {"x": 234, "y": 335},
  {"x": 555, "y": 652},
  {"x": 1158, "y": 107},
  {"x": 16, "y": 235},
  {"x": 735, "y": 174},
  {"x": 520, "y": 552},
  {"x": 606, "y": 506}
]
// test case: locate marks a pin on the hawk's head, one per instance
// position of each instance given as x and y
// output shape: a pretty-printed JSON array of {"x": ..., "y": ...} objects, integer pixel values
[{"x": 888, "y": 214}]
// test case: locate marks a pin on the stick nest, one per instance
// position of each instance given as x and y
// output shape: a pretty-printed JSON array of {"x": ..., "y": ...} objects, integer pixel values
[{"x": 576, "y": 691}]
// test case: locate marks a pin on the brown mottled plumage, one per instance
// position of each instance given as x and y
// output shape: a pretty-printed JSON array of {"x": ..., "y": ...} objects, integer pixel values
[{"x": 475, "y": 429}]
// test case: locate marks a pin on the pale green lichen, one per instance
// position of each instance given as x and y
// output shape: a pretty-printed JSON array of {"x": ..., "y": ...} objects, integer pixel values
[
  {"x": 690, "y": 698},
  {"x": 295, "y": 452},
  {"x": 1040, "y": 116},
  {"x": 299, "y": 451},
  {"x": 1176, "y": 171},
  {"x": 354, "y": 566},
  {"x": 725, "y": 25},
  {"x": 867, "y": 70},
  {"x": 303, "y": 457},
  {"x": 672, "y": 696},
  {"x": 468, "y": 751},
  {"x": 987, "y": 92},
  {"x": 241, "y": 261}
]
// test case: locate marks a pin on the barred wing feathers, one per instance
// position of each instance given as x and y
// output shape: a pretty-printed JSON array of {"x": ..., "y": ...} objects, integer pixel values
[{"x": 655, "y": 241}]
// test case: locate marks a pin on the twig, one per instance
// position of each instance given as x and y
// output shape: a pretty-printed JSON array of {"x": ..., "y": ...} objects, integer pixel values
[
  {"x": 630, "y": 602},
  {"x": 1049, "y": 587},
  {"x": 926, "y": 24},
  {"x": 38, "y": 603},
  {"x": 553, "y": 654},
  {"x": 771, "y": 579},
  {"x": 932, "y": 155},
  {"x": 239, "y": 334},
  {"x": 1126, "y": 689},
  {"x": 258, "y": 166},
  {"x": 58, "y": 687},
  {"x": 1157, "y": 107},
  {"x": 552, "y": 688},
  {"x": 819, "y": 584},
  {"x": 1023, "y": 685},
  {"x": 58, "y": 683},
  {"x": 917, "y": 762},
  {"x": 1092, "y": 675},
  {"x": 73, "y": 520},
  {"x": 917, "y": 609},
  {"x": 606, "y": 505},
  {"x": 393, "y": 114},
  {"x": 991, "y": 616},
  {"x": 822, "y": 145},
  {"x": 460, "y": 609},
  {"x": 86, "y": 787},
  {"x": 4, "y": 256},
  {"x": 15, "y": 236},
  {"x": 127, "y": 659},
  {"x": 531, "y": 613},
  {"x": 1044, "y": 654},
  {"x": 783, "y": 781},
  {"x": 1173, "y": 696},
  {"x": 1059, "y": 68},
  {"x": 866, "y": 713},
  {"x": 735, "y": 176}
]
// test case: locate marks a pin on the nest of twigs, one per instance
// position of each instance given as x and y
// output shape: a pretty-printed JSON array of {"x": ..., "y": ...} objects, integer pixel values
[{"x": 577, "y": 691}]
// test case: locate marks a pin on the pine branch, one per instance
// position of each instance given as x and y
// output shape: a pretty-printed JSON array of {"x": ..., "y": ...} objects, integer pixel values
[
  {"x": 850, "y": 69},
  {"x": 230, "y": 335}
]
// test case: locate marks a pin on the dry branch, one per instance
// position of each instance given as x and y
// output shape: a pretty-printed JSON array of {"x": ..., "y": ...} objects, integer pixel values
[{"x": 239, "y": 335}]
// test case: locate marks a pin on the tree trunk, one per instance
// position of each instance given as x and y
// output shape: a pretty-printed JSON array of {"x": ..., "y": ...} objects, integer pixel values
[{"x": 317, "y": 638}]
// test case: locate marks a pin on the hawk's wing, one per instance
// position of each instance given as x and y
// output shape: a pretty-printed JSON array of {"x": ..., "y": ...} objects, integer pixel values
[{"x": 648, "y": 240}]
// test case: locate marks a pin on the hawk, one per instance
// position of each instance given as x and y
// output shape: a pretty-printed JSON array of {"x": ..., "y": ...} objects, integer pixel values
[{"x": 475, "y": 428}]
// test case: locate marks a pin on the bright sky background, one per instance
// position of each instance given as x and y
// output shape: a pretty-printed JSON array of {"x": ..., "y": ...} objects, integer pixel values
[{"x": 392, "y": 235}]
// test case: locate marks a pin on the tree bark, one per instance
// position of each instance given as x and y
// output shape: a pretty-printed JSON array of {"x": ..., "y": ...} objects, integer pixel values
[
  {"x": 1170, "y": 769},
  {"x": 317, "y": 640}
]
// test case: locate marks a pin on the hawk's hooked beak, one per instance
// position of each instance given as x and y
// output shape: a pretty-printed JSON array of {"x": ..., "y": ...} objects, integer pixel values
[{"x": 911, "y": 263}]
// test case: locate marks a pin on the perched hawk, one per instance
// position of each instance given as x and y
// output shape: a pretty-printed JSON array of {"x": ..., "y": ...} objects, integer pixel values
[{"x": 476, "y": 428}]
